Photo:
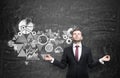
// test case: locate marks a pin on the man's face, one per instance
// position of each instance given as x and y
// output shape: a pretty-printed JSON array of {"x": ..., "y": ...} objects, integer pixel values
[{"x": 77, "y": 36}]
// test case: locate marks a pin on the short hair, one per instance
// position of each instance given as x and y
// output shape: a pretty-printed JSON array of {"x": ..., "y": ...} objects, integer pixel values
[{"x": 75, "y": 29}]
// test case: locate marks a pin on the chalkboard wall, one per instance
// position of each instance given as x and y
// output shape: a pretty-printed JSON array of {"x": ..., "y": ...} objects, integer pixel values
[{"x": 98, "y": 20}]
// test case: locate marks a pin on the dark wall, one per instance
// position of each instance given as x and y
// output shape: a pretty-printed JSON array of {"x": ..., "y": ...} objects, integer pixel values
[{"x": 98, "y": 20}]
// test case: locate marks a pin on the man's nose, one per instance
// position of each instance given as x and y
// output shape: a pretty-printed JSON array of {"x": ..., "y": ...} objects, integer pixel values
[{"x": 77, "y": 35}]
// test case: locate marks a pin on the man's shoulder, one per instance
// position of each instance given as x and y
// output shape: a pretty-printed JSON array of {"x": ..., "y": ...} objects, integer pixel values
[
  {"x": 68, "y": 47},
  {"x": 86, "y": 47}
]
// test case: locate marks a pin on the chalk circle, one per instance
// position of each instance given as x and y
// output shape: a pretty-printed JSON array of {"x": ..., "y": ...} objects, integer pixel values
[
  {"x": 22, "y": 27},
  {"x": 49, "y": 47},
  {"x": 33, "y": 33},
  {"x": 19, "y": 33},
  {"x": 42, "y": 39},
  {"x": 69, "y": 41},
  {"x": 58, "y": 49},
  {"x": 65, "y": 37}
]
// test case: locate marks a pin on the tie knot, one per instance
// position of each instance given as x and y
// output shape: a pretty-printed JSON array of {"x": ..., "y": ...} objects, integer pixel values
[{"x": 77, "y": 46}]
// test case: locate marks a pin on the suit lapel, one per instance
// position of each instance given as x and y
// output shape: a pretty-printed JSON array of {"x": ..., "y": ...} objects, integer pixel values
[
  {"x": 71, "y": 51},
  {"x": 82, "y": 53}
]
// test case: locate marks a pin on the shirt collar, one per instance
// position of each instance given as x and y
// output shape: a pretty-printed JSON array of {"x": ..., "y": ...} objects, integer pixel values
[{"x": 79, "y": 44}]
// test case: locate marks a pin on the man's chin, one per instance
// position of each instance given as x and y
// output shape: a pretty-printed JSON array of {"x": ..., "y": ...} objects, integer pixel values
[{"x": 76, "y": 41}]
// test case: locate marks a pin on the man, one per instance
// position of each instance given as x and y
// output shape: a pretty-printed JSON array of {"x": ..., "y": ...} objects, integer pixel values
[{"x": 77, "y": 57}]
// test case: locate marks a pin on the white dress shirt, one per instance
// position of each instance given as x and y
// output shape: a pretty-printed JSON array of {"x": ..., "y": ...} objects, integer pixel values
[{"x": 79, "y": 49}]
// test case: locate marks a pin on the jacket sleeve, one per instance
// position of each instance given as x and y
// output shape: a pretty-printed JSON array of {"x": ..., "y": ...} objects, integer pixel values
[
  {"x": 91, "y": 63},
  {"x": 63, "y": 63}
]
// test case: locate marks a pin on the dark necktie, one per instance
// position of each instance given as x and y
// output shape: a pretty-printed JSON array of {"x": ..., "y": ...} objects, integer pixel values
[{"x": 76, "y": 52}]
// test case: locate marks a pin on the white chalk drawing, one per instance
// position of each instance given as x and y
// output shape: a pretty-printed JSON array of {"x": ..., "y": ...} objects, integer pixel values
[
  {"x": 28, "y": 43},
  {"x": 25, "y": 26},
  {"x": 49, "y": 47},
  {"x": 68, "y": 40},
  {"x": 58, "y": 49},
  {"x": 42, "y": 39}
]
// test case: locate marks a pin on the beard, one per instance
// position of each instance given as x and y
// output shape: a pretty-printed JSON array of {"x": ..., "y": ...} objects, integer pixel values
[{"x": 76, "y": 41}]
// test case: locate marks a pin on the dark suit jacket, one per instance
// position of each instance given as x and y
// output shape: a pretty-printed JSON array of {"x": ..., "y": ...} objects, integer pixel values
[{"x": 76, "y": 69}]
